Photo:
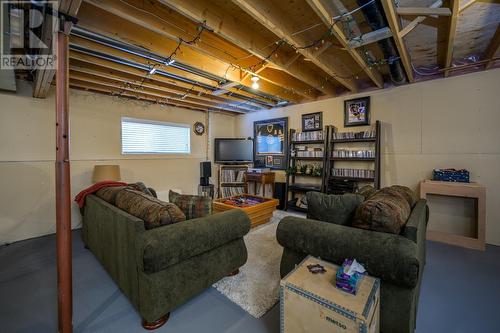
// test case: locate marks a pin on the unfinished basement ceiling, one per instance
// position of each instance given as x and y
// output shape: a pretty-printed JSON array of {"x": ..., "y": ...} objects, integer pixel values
[{"x": 131, "y": 48}]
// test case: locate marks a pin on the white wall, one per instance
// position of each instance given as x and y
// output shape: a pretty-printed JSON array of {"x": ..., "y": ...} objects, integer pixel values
[
  {"x": 452, "y": 122},
  {"x": 27, "y": 154}
]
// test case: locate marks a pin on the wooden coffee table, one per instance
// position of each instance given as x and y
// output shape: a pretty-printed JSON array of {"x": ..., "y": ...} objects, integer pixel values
[{"x": 259, "y": 209}]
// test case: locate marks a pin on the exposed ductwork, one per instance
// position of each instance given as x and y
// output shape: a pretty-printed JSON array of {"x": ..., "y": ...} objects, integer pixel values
[
  {"x": 375, "y": 17},
  {"x": 135, "y": 50}
]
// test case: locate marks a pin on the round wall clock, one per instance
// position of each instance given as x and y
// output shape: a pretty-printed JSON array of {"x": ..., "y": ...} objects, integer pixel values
[{"x": 198, "y": 128}]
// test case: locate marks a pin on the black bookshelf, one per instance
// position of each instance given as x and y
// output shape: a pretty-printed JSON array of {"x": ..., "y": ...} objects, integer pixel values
[
  {"x": 329, "y": 144},
  {"x": 292, "y": 186},
  {"x": 333, "y": 162}
]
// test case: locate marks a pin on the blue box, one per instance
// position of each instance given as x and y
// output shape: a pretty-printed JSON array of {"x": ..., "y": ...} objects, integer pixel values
[{"x": 451, "y": 175}]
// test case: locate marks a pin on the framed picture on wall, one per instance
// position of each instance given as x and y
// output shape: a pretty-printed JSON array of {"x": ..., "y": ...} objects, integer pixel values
[
  {"x": 357, "y": 112},
  {"x": 270, "y": 138},
  {"x": 312, "y": 121}
]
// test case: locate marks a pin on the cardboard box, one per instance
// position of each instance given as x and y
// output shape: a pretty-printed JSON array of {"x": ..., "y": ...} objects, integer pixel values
[{"x": 311, "y": 302}]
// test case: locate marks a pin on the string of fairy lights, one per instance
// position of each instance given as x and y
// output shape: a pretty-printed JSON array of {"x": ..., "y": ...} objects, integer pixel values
[{"x": 345, "y": 19}]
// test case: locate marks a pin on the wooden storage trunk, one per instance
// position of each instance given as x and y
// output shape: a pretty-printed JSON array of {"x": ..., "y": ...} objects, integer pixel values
[{"x": 312, "y": 303}]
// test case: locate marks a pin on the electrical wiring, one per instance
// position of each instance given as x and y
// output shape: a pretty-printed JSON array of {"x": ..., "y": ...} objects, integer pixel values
[
  {"x": 158, "y": 17},
  {"x": 277, "y": 45}
]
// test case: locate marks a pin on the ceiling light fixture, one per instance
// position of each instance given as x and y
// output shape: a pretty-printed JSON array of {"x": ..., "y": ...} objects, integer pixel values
[
  {"x": 152, "y": 70},
  {"x": 254, "y": 79},
  {"x": 169, "y": 62}
]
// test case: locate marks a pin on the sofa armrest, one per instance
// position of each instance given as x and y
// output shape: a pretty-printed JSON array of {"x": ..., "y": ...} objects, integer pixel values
[
  {"x": 390, "y": 257},
  {"x": 165, "y": 246},
  {"x": 416, "y": 225}
]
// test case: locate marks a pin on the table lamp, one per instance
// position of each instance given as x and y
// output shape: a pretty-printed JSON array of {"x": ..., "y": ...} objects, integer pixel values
[{"x": 106, "y": 172}]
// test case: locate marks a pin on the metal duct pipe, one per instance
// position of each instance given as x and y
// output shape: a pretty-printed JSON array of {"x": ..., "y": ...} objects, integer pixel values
[
  {"x": 146, "y": 54},
  {"x": 375, "y": 17}
]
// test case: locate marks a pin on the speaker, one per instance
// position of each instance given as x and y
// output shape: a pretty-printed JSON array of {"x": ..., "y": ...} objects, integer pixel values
[
  {"x": 205, "y": 173},
  {"x": 280, "y": 194},
  {"x": 204, "y": 181},
  {"x": 205, "y": 169}
]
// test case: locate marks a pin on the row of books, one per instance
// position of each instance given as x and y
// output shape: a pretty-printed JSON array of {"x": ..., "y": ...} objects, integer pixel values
[
  {"x": 232, "y": 176},
  {"x": 231, "y": 191},
  {"x": 353, "y": 153},
  {"x": 354, "y": 135},
  {"x": 304, "y": 151},
  {"x": 308, "y": 136},
  {"x": 357, "y": 173}
]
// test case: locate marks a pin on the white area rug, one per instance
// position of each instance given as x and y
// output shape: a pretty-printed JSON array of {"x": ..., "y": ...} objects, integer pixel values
[{"x": 256, "y": 288}]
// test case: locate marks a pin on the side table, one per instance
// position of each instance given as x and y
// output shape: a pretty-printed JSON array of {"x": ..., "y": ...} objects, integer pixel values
[
  {"x": 263, "y": 178},
  {"x": 464, "y": 190}
]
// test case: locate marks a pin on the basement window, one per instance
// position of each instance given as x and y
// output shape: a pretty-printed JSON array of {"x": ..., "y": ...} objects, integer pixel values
[{"x": 141, "y": 136}]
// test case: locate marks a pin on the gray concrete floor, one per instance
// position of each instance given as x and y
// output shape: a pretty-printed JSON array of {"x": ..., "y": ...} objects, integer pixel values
[{"x": 460, "y": 293}]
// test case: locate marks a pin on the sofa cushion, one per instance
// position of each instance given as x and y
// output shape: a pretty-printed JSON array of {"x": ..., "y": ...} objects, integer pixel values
[
  {"x": 192, "y": 206},
  {"x": 152, "y": 211},
  {"x": 338, "y": 209},
  {"x": 109, "y": 193},
  {"x": 366, "y": 191},
  {"x": 141, "y": 187},
  {"x": 387, "y": 211},
  {"x": 405, "y": 192}
]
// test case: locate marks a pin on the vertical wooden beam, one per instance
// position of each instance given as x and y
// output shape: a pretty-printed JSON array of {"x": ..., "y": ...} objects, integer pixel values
[
  {"x": 492, "y": 48},
  {"x": 393, "y": 20},
  {"x": 452, "y": 30},
  {"x": 63, "y": 193}
]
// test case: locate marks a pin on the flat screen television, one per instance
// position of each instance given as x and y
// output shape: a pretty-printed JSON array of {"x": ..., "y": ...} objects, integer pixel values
[{"x": 233, "y": 151}]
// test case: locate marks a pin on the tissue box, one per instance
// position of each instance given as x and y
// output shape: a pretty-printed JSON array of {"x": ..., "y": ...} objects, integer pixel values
[{"x": 311, "y": 302}]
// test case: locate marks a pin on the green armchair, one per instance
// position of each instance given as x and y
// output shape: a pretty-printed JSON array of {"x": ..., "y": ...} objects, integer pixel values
[{"x": 398, "y": 260}]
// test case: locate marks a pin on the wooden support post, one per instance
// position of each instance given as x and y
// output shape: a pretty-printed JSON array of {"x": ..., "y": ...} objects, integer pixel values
[{"x": 63, "y": 196}]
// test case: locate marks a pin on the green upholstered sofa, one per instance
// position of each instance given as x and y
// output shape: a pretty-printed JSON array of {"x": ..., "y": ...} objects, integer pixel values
[
  {"x": 161, "y": 268},
  {"x": 398, "y": 260}
]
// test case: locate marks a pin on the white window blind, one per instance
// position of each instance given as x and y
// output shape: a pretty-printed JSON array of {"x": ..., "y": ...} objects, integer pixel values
[{"x": 153, "y": 137}]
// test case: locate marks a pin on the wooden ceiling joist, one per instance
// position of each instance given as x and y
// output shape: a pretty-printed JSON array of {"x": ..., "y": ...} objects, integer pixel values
[
  {"x": 181, "y": 27},
  {"x": 116, "y": 27},
  {"x": 137, "y": 60},
  {"x": 92, "y": 63},
  {"x": 87, "y": 86},
  {"x": 245, "y": 37},
  {"x": 467, "y": 5},
  {"x": 452, "y": 31},
  {"x": 44, "y": 76},
  {"x": 137, "y": 90},
  {"x": 394, "y": 24},
  {"x": 159, "y": 82},
  {"x": 263, "y": 12},
  {"x": 370, "y": 37},
  {"x": 423, "y": 11},
  {"x": 322, "y": 12},
  {"x": 416, "y": 21},
  {"x": 492, "y": 48},
  {"x": 81, "y": 73}
]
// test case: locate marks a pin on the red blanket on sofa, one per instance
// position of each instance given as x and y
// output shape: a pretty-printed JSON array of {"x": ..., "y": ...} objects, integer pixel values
[{"x": 80, "y": 197}]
